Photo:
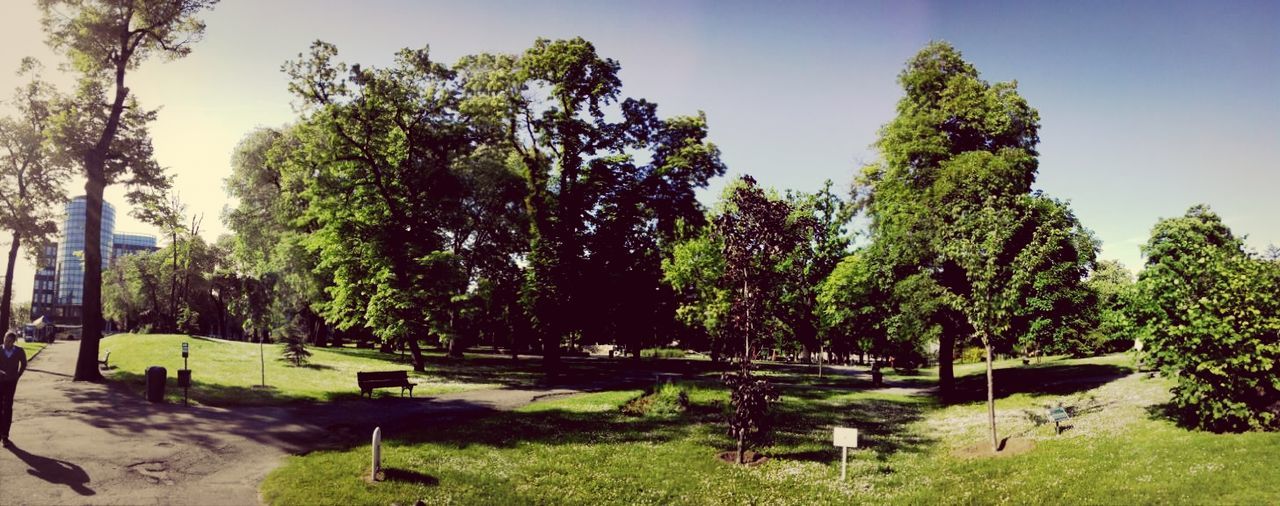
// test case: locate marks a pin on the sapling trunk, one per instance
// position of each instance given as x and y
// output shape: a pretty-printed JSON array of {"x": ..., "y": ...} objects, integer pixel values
[{"x": 991, "y": 398}]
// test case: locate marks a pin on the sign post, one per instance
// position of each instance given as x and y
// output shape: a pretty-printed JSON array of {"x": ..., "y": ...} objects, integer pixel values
[
  {"x": 845, "y": 438},
  {"x": 1058, "y": 415},
  {"x": 184, "y": 376}
]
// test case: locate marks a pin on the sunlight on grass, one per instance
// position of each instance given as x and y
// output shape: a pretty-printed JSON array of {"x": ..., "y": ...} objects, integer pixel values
[
  {"x": 581, "y": 450},
  {"x": 230, "y": 373}
]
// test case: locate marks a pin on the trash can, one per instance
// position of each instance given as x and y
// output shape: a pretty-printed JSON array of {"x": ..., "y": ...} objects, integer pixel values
[{"x": 155, "y": 383}]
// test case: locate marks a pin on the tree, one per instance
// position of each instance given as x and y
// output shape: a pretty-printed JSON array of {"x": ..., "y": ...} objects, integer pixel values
[
  {"x": 946, "y": 111},
  {"x": 548, "y": 106},
  {"x": 814, "y": 260},
  {"x": 853, "y": 315},
  {"x": 383, "y": 144},
  {"x": 695, "y": 270},
  {"x": 1002, "y": 245},
  {"x": 1211, "y": 313},
  {"x": 104, "y": 40},
  {"x": 31, "y": 176},
  {"x": 756, "y": 231},
  {"x": 1112, "y": 286}
]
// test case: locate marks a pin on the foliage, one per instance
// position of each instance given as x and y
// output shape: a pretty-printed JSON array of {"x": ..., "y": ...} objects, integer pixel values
[
  {"x": 749, "y": 400},
  {"x": 695, "y": 270},
  {"x": 104, "y": 40},
  {"x": 662, "y": 353},
  {"x": 1212, "y": 316},
  {"x": 667, "y": 399},
  {"x": 756, "y": 231},
  {"x": 948, "y": 117},
  {"x": 1113, "y": 287},
  {"x": 139, "y": 290},
  {"x": 31, "y": 175},
  {"x": 294, "y": 345},
  {"x": 585, "y": 190}
]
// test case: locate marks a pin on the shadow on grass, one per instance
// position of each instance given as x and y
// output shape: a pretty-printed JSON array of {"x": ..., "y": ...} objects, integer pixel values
[
  {"x": 409, "y": 476},
  {"x": 1036, "y": 380}
]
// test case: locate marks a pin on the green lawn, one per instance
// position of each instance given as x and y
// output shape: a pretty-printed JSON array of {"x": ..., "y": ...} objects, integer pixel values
[
  {"x": 230, "y": 373},
  {"x": 31, "y": 348},
  {"x": 582, "y": 450}
]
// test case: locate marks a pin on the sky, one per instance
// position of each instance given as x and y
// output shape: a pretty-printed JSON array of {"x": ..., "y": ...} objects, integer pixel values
[{"x": 1147, "y": 108}]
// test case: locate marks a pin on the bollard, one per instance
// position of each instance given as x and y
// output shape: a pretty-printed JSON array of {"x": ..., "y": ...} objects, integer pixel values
[{"x": 377, "y": 453}]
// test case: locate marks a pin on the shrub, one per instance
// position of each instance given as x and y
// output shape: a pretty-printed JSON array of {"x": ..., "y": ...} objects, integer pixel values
[
  {"x": 667, "y": 399},
  {"x": 973, "y": 354},
  {"x": 661, "y": 353},
  {"x": 749, "y": 400},
  {"x": 1212, "y": 314}
]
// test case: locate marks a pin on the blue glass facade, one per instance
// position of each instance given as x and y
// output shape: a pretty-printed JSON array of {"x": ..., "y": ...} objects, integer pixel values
[{"x": 71, "y": 249}]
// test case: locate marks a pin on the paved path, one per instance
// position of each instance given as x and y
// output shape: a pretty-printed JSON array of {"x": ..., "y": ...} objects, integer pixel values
[{"x": 86, "y": 443}]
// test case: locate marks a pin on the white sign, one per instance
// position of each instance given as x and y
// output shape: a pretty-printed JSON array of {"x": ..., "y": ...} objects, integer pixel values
[{"x": 846, "y": 437}]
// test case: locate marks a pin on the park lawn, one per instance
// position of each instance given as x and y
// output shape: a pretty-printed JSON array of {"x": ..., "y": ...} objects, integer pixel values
[
  {"x": 31, "y": 348},
  {"x": 229, "y": 373},
  {"x": 581, "y": 449}
]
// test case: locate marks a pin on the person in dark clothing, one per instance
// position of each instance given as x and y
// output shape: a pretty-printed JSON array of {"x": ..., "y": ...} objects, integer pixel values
[{"x": 13, "y": 362}]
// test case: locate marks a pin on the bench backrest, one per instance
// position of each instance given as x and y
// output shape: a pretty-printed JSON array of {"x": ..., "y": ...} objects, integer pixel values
[{"x": 382, "y": 376}]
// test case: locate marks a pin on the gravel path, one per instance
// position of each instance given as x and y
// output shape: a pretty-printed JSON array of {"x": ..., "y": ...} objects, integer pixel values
[{"x": 86, "y": 443}]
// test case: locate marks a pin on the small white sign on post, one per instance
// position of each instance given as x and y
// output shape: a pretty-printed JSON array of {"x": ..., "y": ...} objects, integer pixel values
[
  {"x": 377, "y": 453},
  {"x": 845, "y": 438}
]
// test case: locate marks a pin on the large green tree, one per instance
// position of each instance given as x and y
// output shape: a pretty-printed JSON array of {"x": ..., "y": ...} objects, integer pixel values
[
  {"x": 104, "y": 126},
  {"x": 946, "y": 112},
  {"x": 384, "y": 143},
  {"x": 581, "y": 173},
  {"x": 31, "y": 175},
  {"x": 1211, "y": 312}
]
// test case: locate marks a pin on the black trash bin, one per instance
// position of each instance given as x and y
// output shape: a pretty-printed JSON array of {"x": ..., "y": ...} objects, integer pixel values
[{"x": 155, "y": 383}]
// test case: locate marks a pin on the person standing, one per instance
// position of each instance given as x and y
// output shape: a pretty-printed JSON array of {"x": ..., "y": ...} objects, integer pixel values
[{"x": 13, "y": 362}]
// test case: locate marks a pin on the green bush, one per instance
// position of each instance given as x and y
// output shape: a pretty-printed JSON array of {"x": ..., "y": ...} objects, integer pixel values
[
  {"x": 1213, "y": 316},
  {"x": 661, "y": 353},
  {"x": 973, "y": 354},
  {"x": 667, "y": 399}
]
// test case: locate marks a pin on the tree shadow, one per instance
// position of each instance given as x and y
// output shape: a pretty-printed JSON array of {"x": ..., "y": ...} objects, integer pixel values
[
  {"x": 408, "y": 476},
  {"x": 57, "y": 472},
  {"x": 1036, "y": 381}
]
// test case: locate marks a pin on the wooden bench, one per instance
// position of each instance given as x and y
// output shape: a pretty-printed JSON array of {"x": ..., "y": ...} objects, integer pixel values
[{"x": 379, "y": 379}]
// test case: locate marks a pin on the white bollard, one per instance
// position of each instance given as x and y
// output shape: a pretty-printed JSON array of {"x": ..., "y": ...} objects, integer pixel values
[{"x": 377, "y": 453}]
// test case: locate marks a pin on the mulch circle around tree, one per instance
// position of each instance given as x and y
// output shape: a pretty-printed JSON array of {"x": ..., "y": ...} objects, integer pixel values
[
  {"x": 1009, "y": 447},
  {"x": 749, "y": 458}
]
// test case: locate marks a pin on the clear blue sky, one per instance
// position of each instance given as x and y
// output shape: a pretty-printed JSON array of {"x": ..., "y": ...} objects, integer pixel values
[{"x": 1147, "y": 107}]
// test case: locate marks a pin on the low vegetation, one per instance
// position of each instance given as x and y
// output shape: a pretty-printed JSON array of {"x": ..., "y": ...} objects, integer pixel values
[{"x": 1118, "y": 447}]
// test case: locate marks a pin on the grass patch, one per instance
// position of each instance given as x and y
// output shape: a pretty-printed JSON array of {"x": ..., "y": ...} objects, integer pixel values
[
  {"x": 584, "y": 450},
  {"x": 229, "y": 373},
  {"x": 31, "y": 348}
]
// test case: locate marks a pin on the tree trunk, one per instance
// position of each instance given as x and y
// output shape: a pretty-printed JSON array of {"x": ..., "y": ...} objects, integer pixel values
[
  {"x": 946, "y": 361},
  {"x": 91, "y": 303},
  {"x": 991, "y": 398},
  {"x": 742, "y": 446},
  {"x": 6, "y": 301}
]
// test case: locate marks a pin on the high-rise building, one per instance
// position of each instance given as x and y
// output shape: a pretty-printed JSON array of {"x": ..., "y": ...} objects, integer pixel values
[{"x": 59, "y": 283}]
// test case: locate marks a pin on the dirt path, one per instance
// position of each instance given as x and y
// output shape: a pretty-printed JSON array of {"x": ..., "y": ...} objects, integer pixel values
[{"x": 79, "y": 443}]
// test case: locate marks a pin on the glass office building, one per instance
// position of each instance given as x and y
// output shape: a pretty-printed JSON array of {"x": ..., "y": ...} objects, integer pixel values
[
  {"x": 59, "y": 285},
  {"x": 71, "y": 249}
]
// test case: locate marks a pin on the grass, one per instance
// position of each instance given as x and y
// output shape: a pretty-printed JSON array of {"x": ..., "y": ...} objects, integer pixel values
[
  {"x": 230, "y": 373},
  {"x": 31, "y": 348},
  {"x": 1118, "y": 449}
]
